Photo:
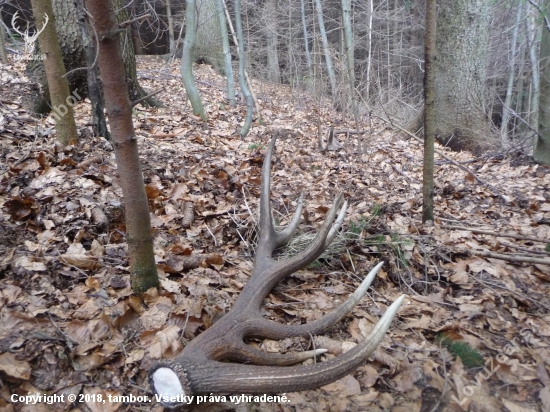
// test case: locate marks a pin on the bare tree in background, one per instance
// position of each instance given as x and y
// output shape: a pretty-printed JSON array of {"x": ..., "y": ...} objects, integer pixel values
[
  {"x": 186, "y": 67},
  {"x": 462, "y": 45}
]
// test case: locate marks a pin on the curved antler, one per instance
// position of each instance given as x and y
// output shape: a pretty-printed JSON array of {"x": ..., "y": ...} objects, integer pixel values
[
  {"x": 28, "y": 39},
  {"x": 199, "y": 368}
]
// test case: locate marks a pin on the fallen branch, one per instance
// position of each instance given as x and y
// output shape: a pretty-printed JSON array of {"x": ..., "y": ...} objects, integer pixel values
[
  {"x": 510, "y": 258},
  {"x": 524, "y": 249},
  {"x": 496, "y": 234},
  {"x": 136, "y": 102}
]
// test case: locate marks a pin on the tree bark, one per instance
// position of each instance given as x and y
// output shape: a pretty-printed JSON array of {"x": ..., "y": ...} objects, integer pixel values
[
  {"x": 270, "y": 15},
  {"x": 429, "y": 112},
  {"x": 94, "y": 88},
  {"x": 349, "y": 47},
  {"x": 73, "y": 57},
  {"x": 3, "y": 53},
  {"x": 227, "y": 55},
  {"x": 462, "y": 43},
  {"x": 171, "y": 40},
  {"x": 510, "y": 87},
  {"x": 143, "y": 270},
  {"x": 532, "y": 36},
  {"x": 242, "y": 81},
  {"x": 58, "y": 87},
  {"x": 208, "y": 45},
  {"x": 186, "y": 67},
  {"x": 326, "y": 49},
  {"x": 306, "y": 38},
  {"x": 541, "y": 152}
]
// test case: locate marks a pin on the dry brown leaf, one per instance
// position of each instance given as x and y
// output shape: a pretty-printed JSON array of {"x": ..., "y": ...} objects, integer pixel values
[{"x": 13, "y": 368}]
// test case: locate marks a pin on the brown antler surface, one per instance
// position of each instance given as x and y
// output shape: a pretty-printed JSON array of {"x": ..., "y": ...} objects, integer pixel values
[{"x": 203, "y": 367}]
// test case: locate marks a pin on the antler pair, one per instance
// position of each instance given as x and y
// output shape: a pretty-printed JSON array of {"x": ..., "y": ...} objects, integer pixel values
[
  {"x": 202, "y": 366},
  {"x": 27, "y": 38}
]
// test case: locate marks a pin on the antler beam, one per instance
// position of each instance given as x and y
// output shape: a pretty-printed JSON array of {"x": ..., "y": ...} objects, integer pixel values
[{"x": 202, "y": 368}]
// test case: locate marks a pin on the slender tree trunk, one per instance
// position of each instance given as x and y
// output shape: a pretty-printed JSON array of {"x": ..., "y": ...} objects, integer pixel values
[
  {"x": 429, "y": 113},
  {"x": 519, "y": 90},
  {"x": 143, "y": 270},
  {"x": 3, "y": 53},
  {"x": 94, "y": 88},
  {"x": 186, "y": 67},
  {"x": 348, "y": 44},
  {"x": 227, "y": 55},
  {"x": 248, "y": 82},
  {"x": 270, "y": 15},
  {"x": 369, "y": 50},
  {"x": 532, "y": 35},
  {"x": 541, "y": 152},
  {"x": 326, "y": 49},
  {"x": 462, "y": 46},
  {"x": 62, "y": 101},
  {"x": 171, "y": 39},
  {"x": 510, "y": 87},
  {"x": 306, "y": 38},
  {"x": 242, "y": 62}
]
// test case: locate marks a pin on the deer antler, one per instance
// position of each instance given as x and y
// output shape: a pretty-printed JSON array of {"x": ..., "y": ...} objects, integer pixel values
[
  {"x": 29, "y": 40},
  {"x": 199, "y": 368}
]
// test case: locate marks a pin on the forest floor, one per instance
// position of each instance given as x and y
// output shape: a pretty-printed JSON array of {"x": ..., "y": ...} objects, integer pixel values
[{"x": 473, "y": 334}]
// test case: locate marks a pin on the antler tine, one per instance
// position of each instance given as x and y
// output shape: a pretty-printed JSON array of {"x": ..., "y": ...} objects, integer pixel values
[
  {"x": 268, "y": 272},
  {"x": 248, "y": 354},
  {"x": 217, "y": 377},
  {"x": 267, "y": 329},
  {"x": 270, "y": 239},
  {"x": 14, "y": 27}
]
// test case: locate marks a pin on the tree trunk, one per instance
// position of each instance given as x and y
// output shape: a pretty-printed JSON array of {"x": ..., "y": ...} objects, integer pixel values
[
  {"x": 58, "y": 87},
  {"x": 462, "y": 42},
  {"x": 541, "y": 153},
  {"x": 143, "y": 270},
  {"x": 208, "y": 45},
  {"x": 349, "y": 47},
  {"x": 3, "y": 54},
  {"x": 510, "y": 87},
  {"x": 227, "y": 55},
  {"x": 306, "y": 39},
  {"x": 270, "y": 15},
  {"x": 532, "y": 36},
  {"x": 326, "y": 49},
  {"x": 429, "y": 112},
  {"x": 171, "y": 40},
  {"x": 73, "y": 57},
  {"x": 186, "y": 67},
  {"x": 369, "y": 50},
  {"x": 242, "y": 62},
  {"x": 94, "y": 87}
]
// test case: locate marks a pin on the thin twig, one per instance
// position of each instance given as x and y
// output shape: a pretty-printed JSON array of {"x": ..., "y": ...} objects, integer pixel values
[
  {"x": 496, "y": 234},
  {"x": 510, "y": 258},
  {"x": 138, "y": 101},
  {"x": 128, "y": 22},
  {"x": 524, "y": 249}
]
